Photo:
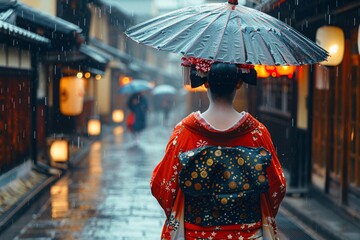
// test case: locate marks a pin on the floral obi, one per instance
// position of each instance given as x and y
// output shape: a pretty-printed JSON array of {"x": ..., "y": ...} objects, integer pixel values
[{"x": 222, "y": 185}]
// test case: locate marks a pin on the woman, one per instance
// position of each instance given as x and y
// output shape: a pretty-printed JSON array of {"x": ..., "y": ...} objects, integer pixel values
[{"x": 220, "y": 177}]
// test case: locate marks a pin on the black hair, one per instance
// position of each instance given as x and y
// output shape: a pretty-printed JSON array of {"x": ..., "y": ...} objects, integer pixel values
[
  {"x": 222, "y": 80},
  {"x": 195, "y": 79}
]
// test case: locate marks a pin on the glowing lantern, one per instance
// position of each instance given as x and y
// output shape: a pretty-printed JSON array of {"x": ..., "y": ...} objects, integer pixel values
[
  {"x": 332, "y": 39},
  {"x": 261, "y": 71},
  {"x": 59, "y": 150},
  {"x": 202, "y": 88},
  {"x": 124, "y": 80},
  {"x": 272, "y": 70},
  {"x": 286, "y": 70},
  {"x": 71, "y": 95},
  {"x": 79, "y": 75},
  {"x": 94, "y": 127},
  {"x": 118, "y": 116},
  {"x": 87, "y": 75},
  {"x": 98, "y": 77}
]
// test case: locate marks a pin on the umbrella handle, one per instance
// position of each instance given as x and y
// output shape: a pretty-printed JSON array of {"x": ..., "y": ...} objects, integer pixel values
[{"x": 233, "y": 2}]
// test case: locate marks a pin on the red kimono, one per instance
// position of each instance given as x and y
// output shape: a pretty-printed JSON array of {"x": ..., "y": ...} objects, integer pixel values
[{"x": 194, "y": 132}]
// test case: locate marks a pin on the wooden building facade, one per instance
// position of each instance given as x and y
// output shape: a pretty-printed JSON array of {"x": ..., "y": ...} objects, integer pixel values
[{"x": 323, "y": 152}]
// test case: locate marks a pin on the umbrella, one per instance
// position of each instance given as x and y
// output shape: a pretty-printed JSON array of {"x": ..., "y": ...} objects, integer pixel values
[
  {"x": 164, "y": 89},
  {"x": 135, "y": 86},
  {"x": 227, "y": 32}
]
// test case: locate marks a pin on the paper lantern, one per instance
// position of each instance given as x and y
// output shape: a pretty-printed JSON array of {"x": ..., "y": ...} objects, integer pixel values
[
  {"x": 71, "y": 95},
  {"x": 118, "y": 116},
  {"x": 332, "y": 39},
  {"x": 261, "y": 71},
  {"x": 272, "y": 70},
  {"x": 94, "y": 127},
  {"x": 59, "y": 150},
  {"x": 285, "y": 70}
]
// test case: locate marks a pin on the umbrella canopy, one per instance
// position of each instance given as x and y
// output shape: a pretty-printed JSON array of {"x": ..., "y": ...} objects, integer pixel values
[
  {"x": 135, "y": 86},
  {"x": 227, "y": 32},
  {"x": 164, "y": 89}
]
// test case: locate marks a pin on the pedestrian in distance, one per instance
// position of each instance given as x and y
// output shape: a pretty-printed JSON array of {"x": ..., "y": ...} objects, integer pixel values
[
  {"x": 220, "y": 177},
  {"x": 137, "y": 117},
  {"x": 166, "y": 105}
]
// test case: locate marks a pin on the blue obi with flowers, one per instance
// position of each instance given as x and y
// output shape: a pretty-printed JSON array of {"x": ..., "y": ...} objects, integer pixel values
[{"x": 222, "y": 185}]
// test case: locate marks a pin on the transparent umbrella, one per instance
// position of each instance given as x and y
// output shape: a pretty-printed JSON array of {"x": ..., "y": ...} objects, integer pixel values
[
  {"x": 135, "y": 86},
  {"x": 228, "y": 32},
  {"x": 164, "y": 89}
]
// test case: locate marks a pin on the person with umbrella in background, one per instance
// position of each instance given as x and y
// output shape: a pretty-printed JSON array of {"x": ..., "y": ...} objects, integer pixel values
[
  {"x": 220, "y": 177},
  {"x": 137, "y": 105},
  {"x": 164, "y": 100},
  {"x": 137, "y": 117}
]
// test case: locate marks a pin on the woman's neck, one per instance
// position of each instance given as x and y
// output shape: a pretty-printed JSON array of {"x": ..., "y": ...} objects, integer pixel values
[{"x": 221, "y": 115}]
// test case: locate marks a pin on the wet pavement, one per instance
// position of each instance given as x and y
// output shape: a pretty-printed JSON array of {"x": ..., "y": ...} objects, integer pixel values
[{"x": 106, "y": 195}]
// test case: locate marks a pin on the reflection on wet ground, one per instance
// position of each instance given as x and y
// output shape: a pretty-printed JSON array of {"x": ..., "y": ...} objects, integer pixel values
[{"x": 106, "y": 195}]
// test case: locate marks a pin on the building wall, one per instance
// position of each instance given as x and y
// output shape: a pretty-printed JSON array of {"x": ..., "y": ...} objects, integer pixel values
[
  {"x": 103, "y": 92},
  {"x": 99, "y": 24},
  {"x": 48, "y": 6},
  {"x": 15, "y": 124},
  {"x": 334, "y": 140},
  {"x": 99, "y": 29},
  {"x": 14, "y": 57},
  {"x": 303, "y": 86}
]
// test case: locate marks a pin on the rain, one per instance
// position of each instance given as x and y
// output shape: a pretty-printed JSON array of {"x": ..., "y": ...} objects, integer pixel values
[{"x": 97, "y": 96}]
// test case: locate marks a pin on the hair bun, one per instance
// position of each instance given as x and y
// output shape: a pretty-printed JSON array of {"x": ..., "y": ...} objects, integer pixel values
[
  {"x": 250, "y": 77},
  {"x": 195, "y": 79}
]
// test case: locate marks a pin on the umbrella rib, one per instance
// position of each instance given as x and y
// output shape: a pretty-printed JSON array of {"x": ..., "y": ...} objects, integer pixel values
[
  {"x": 241, "y": 37},
  {"x": 222, "y": 35},
  {"x": 262, "y": 39},
  {"x": 209, "y": 24},
  {"x": 160, "y": 29},
  {"x": 316, "y": 48},
  {"x": 276, "y": 28},
  {"x": 158, "y": 20},
  {"x": 277, "y": 25},
  {"x": 176, "y": 35},
  {"x": 283, "y": 52}
]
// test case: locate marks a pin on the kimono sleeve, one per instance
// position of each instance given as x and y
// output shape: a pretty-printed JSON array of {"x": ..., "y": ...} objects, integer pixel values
[
  {"x": 275, "y": 174},
  {"x": 164, "y": 181}
]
